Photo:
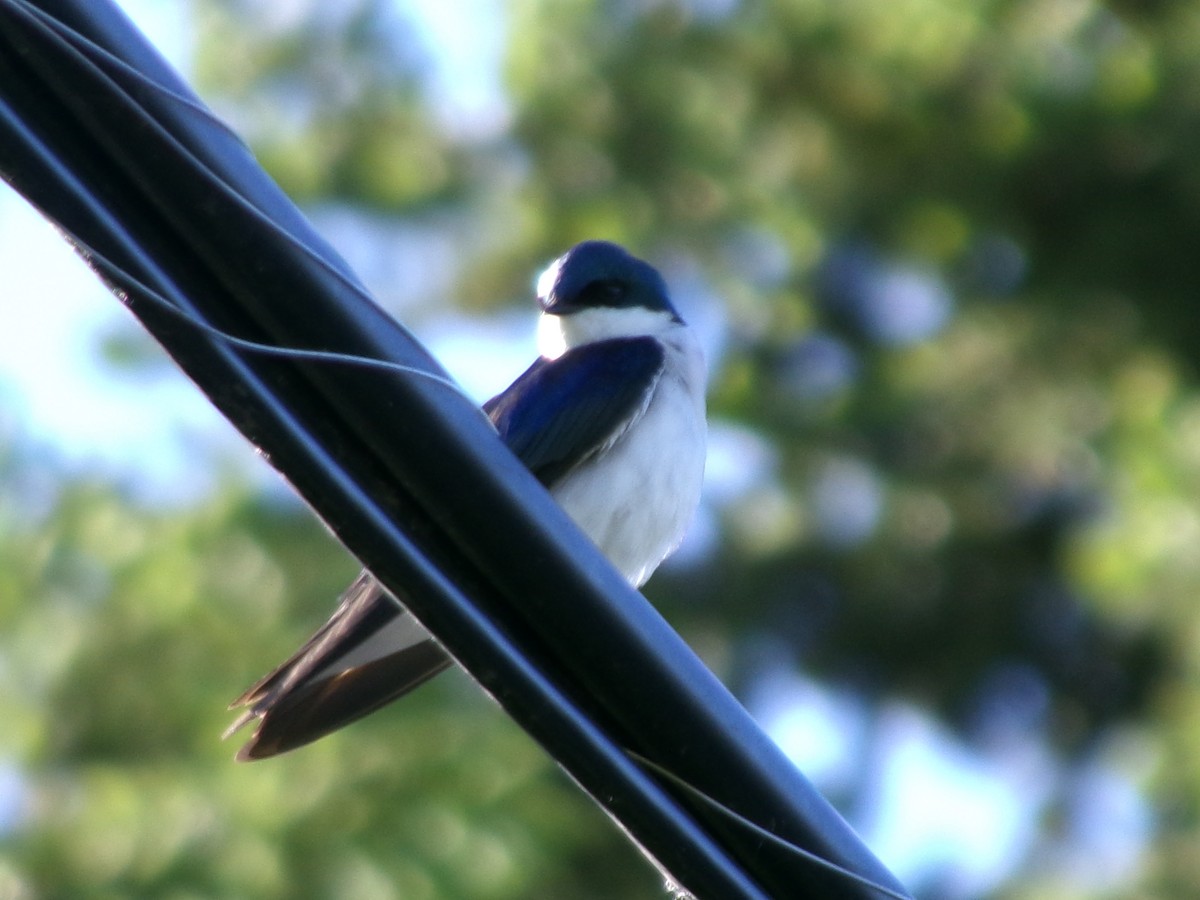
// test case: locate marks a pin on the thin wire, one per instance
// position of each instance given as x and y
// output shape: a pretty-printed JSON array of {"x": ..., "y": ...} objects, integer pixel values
[
  {"x": 132, "y": 286},
  {"x": 82, "y": 42},
  {"x": 762, "y": 832},
  {"x": 96, "y": 54},
  {"x": 56, "y": 31}
]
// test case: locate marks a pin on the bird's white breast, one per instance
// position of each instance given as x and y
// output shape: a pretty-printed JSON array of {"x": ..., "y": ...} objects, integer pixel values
[{"x": 636, "y": 500}]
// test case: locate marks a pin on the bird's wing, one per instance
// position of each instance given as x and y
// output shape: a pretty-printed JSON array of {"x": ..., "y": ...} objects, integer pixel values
[
  {"x": 370, "y": 652},
  {"x": 561, "y": 411},
  {"x": 373, "y": 651}
]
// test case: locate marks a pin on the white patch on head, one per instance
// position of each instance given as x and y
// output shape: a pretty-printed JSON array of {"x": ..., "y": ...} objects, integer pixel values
[
  {"x": 557, "y": 334},
  {"x": 551, "y": 341},
  {"x": 545, "y": 282}
]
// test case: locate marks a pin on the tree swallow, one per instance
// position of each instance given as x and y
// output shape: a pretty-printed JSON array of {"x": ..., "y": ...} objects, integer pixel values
[{"x": 610, "y": 418}]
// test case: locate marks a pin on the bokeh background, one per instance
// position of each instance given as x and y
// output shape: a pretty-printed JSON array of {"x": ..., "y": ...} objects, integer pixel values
[{"x": 943, "y": 255}]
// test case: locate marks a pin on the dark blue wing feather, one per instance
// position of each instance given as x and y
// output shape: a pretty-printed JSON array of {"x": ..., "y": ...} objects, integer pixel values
[{"x": 560, "y": 411}]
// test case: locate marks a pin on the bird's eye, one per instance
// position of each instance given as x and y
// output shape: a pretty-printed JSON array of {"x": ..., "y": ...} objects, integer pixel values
[{"x": 607, "y": 292}]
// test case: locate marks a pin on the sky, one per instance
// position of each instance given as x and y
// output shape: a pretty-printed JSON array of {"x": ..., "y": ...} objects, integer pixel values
[
  {"x": 961, "y": 815},
  {"x": 144, "y": 428},
  {"x": 52, "y": 378}
]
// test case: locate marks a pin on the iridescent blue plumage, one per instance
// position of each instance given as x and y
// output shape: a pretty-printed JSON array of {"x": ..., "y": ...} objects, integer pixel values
[
  {"x": 610, "y": 418},
  {"x": 561, "y": 411},
  {"x": 598, "y": 274}
]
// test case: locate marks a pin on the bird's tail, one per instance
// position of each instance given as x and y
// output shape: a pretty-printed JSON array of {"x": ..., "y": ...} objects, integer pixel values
[{"x": 369, "y": 653}]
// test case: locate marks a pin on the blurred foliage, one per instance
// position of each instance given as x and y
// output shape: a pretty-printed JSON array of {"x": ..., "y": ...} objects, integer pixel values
[
  {"x": 125, "y": 631},
  {"x": 952, "y": 242}
]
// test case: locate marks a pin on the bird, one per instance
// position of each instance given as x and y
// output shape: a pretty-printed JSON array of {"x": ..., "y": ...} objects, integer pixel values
[{"x": 610, "y": 418}]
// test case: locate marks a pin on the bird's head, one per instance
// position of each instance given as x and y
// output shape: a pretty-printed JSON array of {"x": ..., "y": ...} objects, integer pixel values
[{"x": 596, "y": 291}]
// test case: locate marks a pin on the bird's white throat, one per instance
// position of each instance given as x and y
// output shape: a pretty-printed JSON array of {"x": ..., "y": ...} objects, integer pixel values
[{"x": 558, "y": 334}]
